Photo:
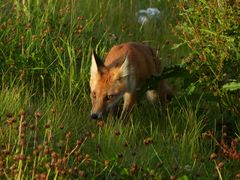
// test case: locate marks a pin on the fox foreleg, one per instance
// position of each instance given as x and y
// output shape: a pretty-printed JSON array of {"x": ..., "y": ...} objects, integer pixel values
[{"x": 129, "y": 101}]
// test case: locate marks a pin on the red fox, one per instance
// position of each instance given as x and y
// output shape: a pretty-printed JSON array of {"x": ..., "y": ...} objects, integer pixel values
[{"x": 126, "y": 68}]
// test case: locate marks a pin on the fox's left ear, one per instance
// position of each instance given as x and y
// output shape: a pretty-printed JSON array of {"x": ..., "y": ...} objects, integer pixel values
[
  {"x": 125, "y": 69},
  {"x": 97, "y": 64}
]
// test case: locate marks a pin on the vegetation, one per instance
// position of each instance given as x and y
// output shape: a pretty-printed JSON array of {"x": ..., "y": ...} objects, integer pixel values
[{"x": 45, "y": 129}]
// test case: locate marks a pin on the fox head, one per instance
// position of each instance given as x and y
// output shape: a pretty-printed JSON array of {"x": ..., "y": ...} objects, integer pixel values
[{"x": 107, "y": 84}]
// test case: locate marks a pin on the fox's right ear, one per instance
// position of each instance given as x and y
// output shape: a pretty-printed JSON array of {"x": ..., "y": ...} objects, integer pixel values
[{"x": 97, "y": 64}]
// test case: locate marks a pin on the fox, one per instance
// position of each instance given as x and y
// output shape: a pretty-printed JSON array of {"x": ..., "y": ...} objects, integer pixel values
[{"x": 126, "y": 68}]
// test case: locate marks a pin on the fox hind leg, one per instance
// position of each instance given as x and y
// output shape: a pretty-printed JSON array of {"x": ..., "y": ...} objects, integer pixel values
[
  {"x": 153, "y": 95},
  {"x": 163, "y": 93},
  {"x": 166, "y": 92}
]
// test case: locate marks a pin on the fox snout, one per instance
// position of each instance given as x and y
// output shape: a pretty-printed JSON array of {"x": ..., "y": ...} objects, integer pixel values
[
  {"x": 96, "y": 116},
  {"x": 98, "y": 108},
  {"x": 97, "y": 111}
]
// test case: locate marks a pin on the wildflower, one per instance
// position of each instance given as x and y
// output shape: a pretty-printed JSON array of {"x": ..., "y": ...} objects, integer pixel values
[
  {"x": 173, "y": 178},
  {"x": 148, "y": 141},
  {"x": 38, "y": 115},
  {"x": 144, "y": 15},
  {"x": 82, "y": 173},
  {"x": 187, "y": 167},
  {"x": 134, "y": 168},
  {"x": 117, "y": 133},
  {"x": 213, "y": 156},
  {"x": 238, "y": 175},
  {"x": 220, "y": 165},
  {"x": 106, "y": 162}
]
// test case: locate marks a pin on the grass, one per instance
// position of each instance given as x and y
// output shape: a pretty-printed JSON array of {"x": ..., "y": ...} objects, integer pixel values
[{"x": 45, "y": 130}]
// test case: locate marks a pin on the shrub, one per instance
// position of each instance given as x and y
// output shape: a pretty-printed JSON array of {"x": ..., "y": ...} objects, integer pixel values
[{"x": 210, "y": 29}]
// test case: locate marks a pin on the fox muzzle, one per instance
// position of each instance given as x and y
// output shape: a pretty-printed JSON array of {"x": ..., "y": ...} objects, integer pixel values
[{"x": 96, "y": 116}]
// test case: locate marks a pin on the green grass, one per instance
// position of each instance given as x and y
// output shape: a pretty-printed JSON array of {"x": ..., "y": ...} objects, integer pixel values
[{"x": 45, "y": 129}]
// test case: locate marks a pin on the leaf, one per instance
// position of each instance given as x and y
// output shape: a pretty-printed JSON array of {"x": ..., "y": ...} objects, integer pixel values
[
  {"x": 203, "y": 1},
  {"x": 232, "y": 86},
  {"x": 175, "y": 46},
  {"x": 178, "y": 71},
  {"x": 124, "y": 171},
  {"x": 209, "y": 32},
  {"x": 183, "y": 178},
  {"x": 191, "y": 88}
]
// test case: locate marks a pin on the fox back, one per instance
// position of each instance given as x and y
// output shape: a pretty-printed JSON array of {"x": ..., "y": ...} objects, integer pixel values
[{"x": 126, "y": 68}]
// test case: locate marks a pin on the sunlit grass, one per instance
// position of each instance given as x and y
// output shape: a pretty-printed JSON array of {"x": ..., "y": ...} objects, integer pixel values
[
  {"x": 53, "y": 138},
  {"x": 45, "y": 129}
]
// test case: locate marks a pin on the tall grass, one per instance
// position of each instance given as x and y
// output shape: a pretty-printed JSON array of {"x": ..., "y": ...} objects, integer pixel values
[{"x": 45, "y": 130}]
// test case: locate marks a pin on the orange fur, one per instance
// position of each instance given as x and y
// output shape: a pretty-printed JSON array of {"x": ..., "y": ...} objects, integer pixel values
[{"x": 126, "y": 68}]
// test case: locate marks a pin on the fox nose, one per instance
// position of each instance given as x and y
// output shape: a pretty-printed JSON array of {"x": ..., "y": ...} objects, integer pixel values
[{"x": 95, "y": 116}]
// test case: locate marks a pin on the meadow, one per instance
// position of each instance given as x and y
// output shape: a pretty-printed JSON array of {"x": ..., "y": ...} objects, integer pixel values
[{"x": 45, "y": 56}]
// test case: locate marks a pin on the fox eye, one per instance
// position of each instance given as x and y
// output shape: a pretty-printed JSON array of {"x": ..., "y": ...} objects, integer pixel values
[
  {"x": 94, "y": 95},
  {"x": 109, "y": 97}
]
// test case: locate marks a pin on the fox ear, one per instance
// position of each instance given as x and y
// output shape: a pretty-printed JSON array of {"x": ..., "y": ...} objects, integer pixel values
[
  {"x": 97, "y": 64},
  {"x": 125, "y": 68}
]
